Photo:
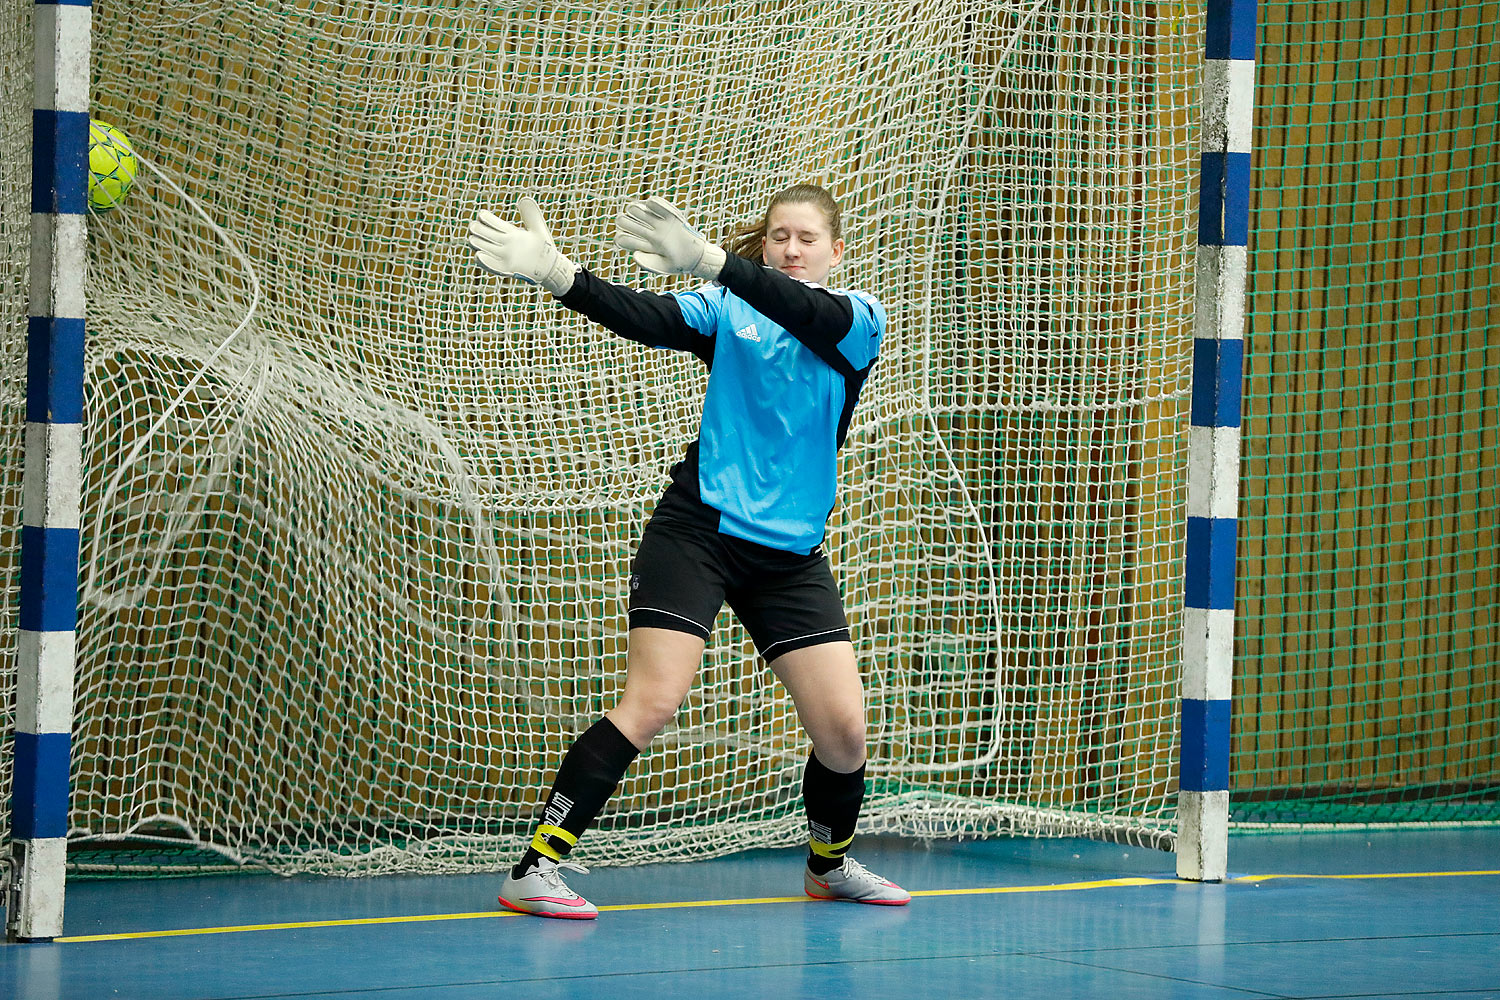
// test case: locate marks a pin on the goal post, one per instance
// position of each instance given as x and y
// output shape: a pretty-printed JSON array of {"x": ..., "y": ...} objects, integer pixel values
[
  {"x": 1214, "y": 455},
  {"x": 355, "y": 517},
  {"x": 44, "y": 648}
]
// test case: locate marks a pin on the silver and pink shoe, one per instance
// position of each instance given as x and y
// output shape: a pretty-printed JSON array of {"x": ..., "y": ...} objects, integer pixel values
[
  {"x": 543, "y": 892},
  {"x": 854, "y": 883}
]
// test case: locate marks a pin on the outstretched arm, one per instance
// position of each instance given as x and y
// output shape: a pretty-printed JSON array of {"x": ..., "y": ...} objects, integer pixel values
[
  {"x": 820, "y": 319},
  {"x": 664, "y": 241},
  {"x": 528, "y": 253},
  {"x": 644, "y": 317}
]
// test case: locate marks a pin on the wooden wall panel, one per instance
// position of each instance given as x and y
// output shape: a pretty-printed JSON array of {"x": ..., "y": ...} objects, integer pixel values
[{"x": 1368, "y": 601}]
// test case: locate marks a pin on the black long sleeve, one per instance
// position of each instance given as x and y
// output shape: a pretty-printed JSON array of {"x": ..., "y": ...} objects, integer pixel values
[
  {"x": 645, "y": 317},
  {"x": 817, "y": 317}
]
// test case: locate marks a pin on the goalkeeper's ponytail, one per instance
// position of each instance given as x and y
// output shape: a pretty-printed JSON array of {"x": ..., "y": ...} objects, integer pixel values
[{"x": 748, "y": 239}]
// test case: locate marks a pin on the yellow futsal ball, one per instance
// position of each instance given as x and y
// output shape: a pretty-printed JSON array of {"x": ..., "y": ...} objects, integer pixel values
[{"x": 112, "y": 165}]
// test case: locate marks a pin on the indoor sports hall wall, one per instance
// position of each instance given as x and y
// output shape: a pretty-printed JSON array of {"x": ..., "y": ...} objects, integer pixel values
[{"x": 1368, "y": 685}]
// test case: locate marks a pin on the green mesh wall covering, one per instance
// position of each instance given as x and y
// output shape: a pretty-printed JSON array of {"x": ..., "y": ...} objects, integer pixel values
[{"x": 1368, "y": 685}]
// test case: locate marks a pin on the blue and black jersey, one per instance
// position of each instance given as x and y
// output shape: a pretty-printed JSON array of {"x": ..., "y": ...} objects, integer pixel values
[{"x": 787, "y": 360}]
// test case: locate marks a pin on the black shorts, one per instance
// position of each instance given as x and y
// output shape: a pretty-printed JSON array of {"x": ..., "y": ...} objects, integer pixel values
[{"x": 685, "y": 569}]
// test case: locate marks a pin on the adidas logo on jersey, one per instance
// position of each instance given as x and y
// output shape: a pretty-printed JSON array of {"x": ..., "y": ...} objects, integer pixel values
[{"x": 748, "y": 333}]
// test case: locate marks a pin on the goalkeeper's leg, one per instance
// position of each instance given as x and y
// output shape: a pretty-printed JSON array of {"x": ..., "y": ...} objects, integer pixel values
[
  {"x": 660, "y": 668},
  {"x": 824, "y": 683}
]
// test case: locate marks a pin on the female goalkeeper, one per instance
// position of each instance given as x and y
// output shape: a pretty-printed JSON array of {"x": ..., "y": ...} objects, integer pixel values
[{"x": 743, "y": 518}]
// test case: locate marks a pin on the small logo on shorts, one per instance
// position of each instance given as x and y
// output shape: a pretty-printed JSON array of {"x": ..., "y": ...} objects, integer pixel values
[{"x": 635, "y": 581}]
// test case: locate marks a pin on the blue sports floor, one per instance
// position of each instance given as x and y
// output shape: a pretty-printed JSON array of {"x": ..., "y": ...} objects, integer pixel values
[{"x": 1335, "y": 915}]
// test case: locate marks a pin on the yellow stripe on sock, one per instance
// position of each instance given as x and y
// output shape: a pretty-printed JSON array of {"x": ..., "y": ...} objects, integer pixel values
[
  {"x": 556, "y": 831},
  {"x": 830, "y": 851},
  {"x": 540, "y": 845}
]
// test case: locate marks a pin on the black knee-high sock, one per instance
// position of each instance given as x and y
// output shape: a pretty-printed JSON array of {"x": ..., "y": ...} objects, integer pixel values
[
  {"x": 588, "y": 776},
  {"x": 832, "y": 801}
]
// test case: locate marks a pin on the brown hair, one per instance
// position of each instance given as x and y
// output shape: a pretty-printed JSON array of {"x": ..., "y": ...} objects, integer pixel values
[{"x": 748, "y": 239}]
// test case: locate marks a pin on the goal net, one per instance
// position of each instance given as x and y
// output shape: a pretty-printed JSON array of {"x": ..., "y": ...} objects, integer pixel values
[{"x": 357, "y": 517}]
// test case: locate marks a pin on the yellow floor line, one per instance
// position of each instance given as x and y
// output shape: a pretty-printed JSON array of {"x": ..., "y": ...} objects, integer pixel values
[
  {"x": 691, "y": 903},
  {"x": 1109, "y": 883},
  {"x": 244, "y": 928},
  {"x": 1267, "y": 878}
]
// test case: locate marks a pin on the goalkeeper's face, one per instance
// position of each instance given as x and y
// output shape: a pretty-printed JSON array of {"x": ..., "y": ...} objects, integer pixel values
[{"x": 800, "y": 243}]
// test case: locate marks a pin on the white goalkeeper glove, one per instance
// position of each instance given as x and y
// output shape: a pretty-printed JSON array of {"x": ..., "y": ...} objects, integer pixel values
[
  {"x": 663, "y": 241},
  {"x": 526, "y": 253}
]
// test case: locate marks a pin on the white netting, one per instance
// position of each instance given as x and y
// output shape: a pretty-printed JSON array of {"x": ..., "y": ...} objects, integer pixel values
[{"x": 353, "y": 579}]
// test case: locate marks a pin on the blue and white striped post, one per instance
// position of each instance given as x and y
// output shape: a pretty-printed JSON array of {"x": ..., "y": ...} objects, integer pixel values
[
  {"x": 1214, "y": 440},
  {"x": 53, "y": 477}
]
